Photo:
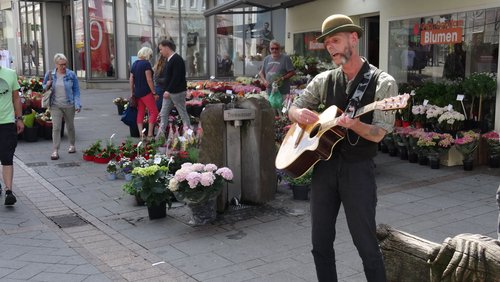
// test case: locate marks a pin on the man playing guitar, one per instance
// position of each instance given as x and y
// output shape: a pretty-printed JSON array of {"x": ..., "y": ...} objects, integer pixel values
[{"x": 347, "y": 177}]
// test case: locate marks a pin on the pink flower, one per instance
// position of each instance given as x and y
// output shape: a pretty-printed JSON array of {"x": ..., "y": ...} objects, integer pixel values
[
  {"x": 193, "y": 178},
  {"x": 225, "y": 172},
  {"x": 198, "y": 167},
  {"x": 207, "y": 179},
  {"x": 210, "y": 167}
]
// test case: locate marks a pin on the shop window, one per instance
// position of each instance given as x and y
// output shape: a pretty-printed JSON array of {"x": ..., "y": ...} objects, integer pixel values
[
  {"x": 241, "y": 43},
  {"x": 139, "y": 29},
  {"x": 79, "y": 35},
  {"x": 305, "y": 44},
  {"x": 102, "y": 39},
  {"x": 193, "y": 44},
  {"x": 450, "y": 46}
]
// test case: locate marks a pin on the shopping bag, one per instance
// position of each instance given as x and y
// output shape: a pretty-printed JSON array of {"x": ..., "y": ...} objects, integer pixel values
[
  {"x": 46, "y": 98},
  {"x": 275, "y": 98},
  {"x": 129, "y": 116},
  {"x": 47, "y": 94}
]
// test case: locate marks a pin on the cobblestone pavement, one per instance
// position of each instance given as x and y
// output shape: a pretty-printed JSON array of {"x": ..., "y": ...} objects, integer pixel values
[{"x": 72, "y": 224}]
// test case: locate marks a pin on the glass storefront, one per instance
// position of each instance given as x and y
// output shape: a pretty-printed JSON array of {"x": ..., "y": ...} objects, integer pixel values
[
  {"x": 102, "y": 38},
  {"x": 242, "y": 42},
  {"x": 79, "y": 37},
  {"x": 450, "y": 46},
  {"x": 139, "y": 28},
  {"x": 31, "y": 38}
]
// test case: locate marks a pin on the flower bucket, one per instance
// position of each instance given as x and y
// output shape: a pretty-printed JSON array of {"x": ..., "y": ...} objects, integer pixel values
[
  {"x": 202, "y": 213},
  {"x": 128, "y": 176},
  {"x": 468, "y": 165},
  {"x": 88, "y": 158},
  {"x": 300, "y": 192},
  {"x": 111, "y": 176},
  {"x": 494, "y": 161},
  {"x": 156, "y": 212}
]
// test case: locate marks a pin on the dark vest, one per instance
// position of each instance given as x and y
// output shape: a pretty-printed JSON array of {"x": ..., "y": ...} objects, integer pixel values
[{"x": 350, "y": 148}]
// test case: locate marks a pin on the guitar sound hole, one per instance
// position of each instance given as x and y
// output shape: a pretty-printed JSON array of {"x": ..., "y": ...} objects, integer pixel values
[{"x": 314, "y": 131}]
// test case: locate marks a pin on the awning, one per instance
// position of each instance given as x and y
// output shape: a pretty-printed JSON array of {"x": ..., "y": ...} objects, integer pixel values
[{"x": 262, "y": 5}]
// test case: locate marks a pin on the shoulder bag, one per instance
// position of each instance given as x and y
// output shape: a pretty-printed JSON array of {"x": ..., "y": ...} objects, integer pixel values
[{"x": 47, "y": 94}]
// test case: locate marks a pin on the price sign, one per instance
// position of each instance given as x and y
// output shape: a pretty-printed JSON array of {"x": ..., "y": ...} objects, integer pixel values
[
  {"x": 426, "y": 102},
  {"x": 460, "y": 97}
]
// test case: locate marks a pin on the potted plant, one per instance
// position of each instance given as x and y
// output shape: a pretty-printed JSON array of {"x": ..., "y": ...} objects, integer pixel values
[
  {"x": 126, "y": 168},
  {"x": 92, "y": 151},
  {"x": 150, "y": 184},
  {"x": 466, "y": 144},
  {"x": 111, "y": 169},
  {"x": 199, "y": 185},
  {"x": 435, "y": 144},
  {"x": 451, "y": 121},
  {"x": 480, "y": 85},
  {"x": 301, "y": 185},
  {"x": 493, "y": 140}
]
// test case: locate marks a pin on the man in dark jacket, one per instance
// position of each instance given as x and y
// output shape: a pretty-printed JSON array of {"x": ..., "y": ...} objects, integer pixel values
[{"x": 174, "y": 87}]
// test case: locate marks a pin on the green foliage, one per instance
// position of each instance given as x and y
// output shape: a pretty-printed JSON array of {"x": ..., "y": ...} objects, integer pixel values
[
  {"x": 93, "y": 149},
  {"x": 480, "y": 84},
  {"x": 150, "y": 182},
  {"x": 305, "y": 179}
]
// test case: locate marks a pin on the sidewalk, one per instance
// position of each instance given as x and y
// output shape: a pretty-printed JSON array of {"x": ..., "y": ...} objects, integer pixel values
[{"x": 105, "y": 237}]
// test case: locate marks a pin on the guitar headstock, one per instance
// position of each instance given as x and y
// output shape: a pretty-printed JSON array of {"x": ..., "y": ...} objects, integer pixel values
[{"x": 393, "y": 103}]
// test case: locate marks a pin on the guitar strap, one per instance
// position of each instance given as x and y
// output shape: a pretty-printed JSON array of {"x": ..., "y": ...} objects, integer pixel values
[{"x": 355, "y": 100}]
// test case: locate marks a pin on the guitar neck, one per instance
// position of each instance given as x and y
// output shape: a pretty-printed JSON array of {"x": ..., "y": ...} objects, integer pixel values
[{"x": 365, "y": 109}]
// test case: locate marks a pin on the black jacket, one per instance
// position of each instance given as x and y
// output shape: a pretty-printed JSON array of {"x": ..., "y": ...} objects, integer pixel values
[{"x": 175, "y": 75}]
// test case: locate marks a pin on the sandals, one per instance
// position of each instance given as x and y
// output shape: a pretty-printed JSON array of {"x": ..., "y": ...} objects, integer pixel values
[
  {"x": 54, "y": 156},
  {"x": 72, "y": 149}
]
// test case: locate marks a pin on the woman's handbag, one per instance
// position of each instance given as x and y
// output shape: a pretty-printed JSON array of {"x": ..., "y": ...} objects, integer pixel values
[
  {"x": 130, "y": 116},
  {"x": 47, "y": 94}
]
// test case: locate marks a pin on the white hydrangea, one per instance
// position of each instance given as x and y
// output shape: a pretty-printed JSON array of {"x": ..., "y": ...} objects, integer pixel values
[
  {"x": 450, "y": 117},
  {"x": 434, "y": 111}
]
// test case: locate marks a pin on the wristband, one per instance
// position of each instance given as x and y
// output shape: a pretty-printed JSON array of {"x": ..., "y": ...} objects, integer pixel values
[{"x": 19, "y": 118}]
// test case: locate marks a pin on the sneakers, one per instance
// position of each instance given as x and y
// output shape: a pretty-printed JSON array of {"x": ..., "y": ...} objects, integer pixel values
[{"x": 10, "y": 199}]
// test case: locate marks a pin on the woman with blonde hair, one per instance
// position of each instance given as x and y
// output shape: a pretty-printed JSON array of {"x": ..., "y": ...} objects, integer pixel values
[
  {"x": 143, "y": 90},
  {"x": 64, "y": 102}
]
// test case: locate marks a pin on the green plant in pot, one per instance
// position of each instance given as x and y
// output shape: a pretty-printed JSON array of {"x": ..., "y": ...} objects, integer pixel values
[
  {"x": 300, "y": 185},
  {"x": 149, "y": 182}
]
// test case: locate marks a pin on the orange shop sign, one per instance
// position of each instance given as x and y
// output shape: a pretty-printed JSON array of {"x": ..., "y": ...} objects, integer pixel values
[{"x": 441, "y": 36}]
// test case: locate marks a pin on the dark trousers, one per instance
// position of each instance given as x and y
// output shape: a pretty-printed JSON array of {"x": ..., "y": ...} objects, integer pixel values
[{"x": 337, "y": 182}]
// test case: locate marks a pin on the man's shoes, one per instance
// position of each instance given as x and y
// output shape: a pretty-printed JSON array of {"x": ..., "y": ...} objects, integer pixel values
[
  {"x": 10, "y": 199},
  {"x": 54, "y": 156},
  {"x": 72, "y": 149}
]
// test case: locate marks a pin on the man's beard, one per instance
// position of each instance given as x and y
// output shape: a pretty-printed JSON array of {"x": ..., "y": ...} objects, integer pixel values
[{"x": 346, "y": 55}]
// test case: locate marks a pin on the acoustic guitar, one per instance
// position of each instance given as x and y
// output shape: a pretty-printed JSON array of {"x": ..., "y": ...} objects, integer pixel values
[{"x": 305, "y": 145}]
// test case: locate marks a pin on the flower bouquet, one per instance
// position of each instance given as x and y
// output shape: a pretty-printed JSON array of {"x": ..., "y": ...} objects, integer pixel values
[
  {"x": 467, "y": 143},
  {"x": 199, "y": 185}
]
